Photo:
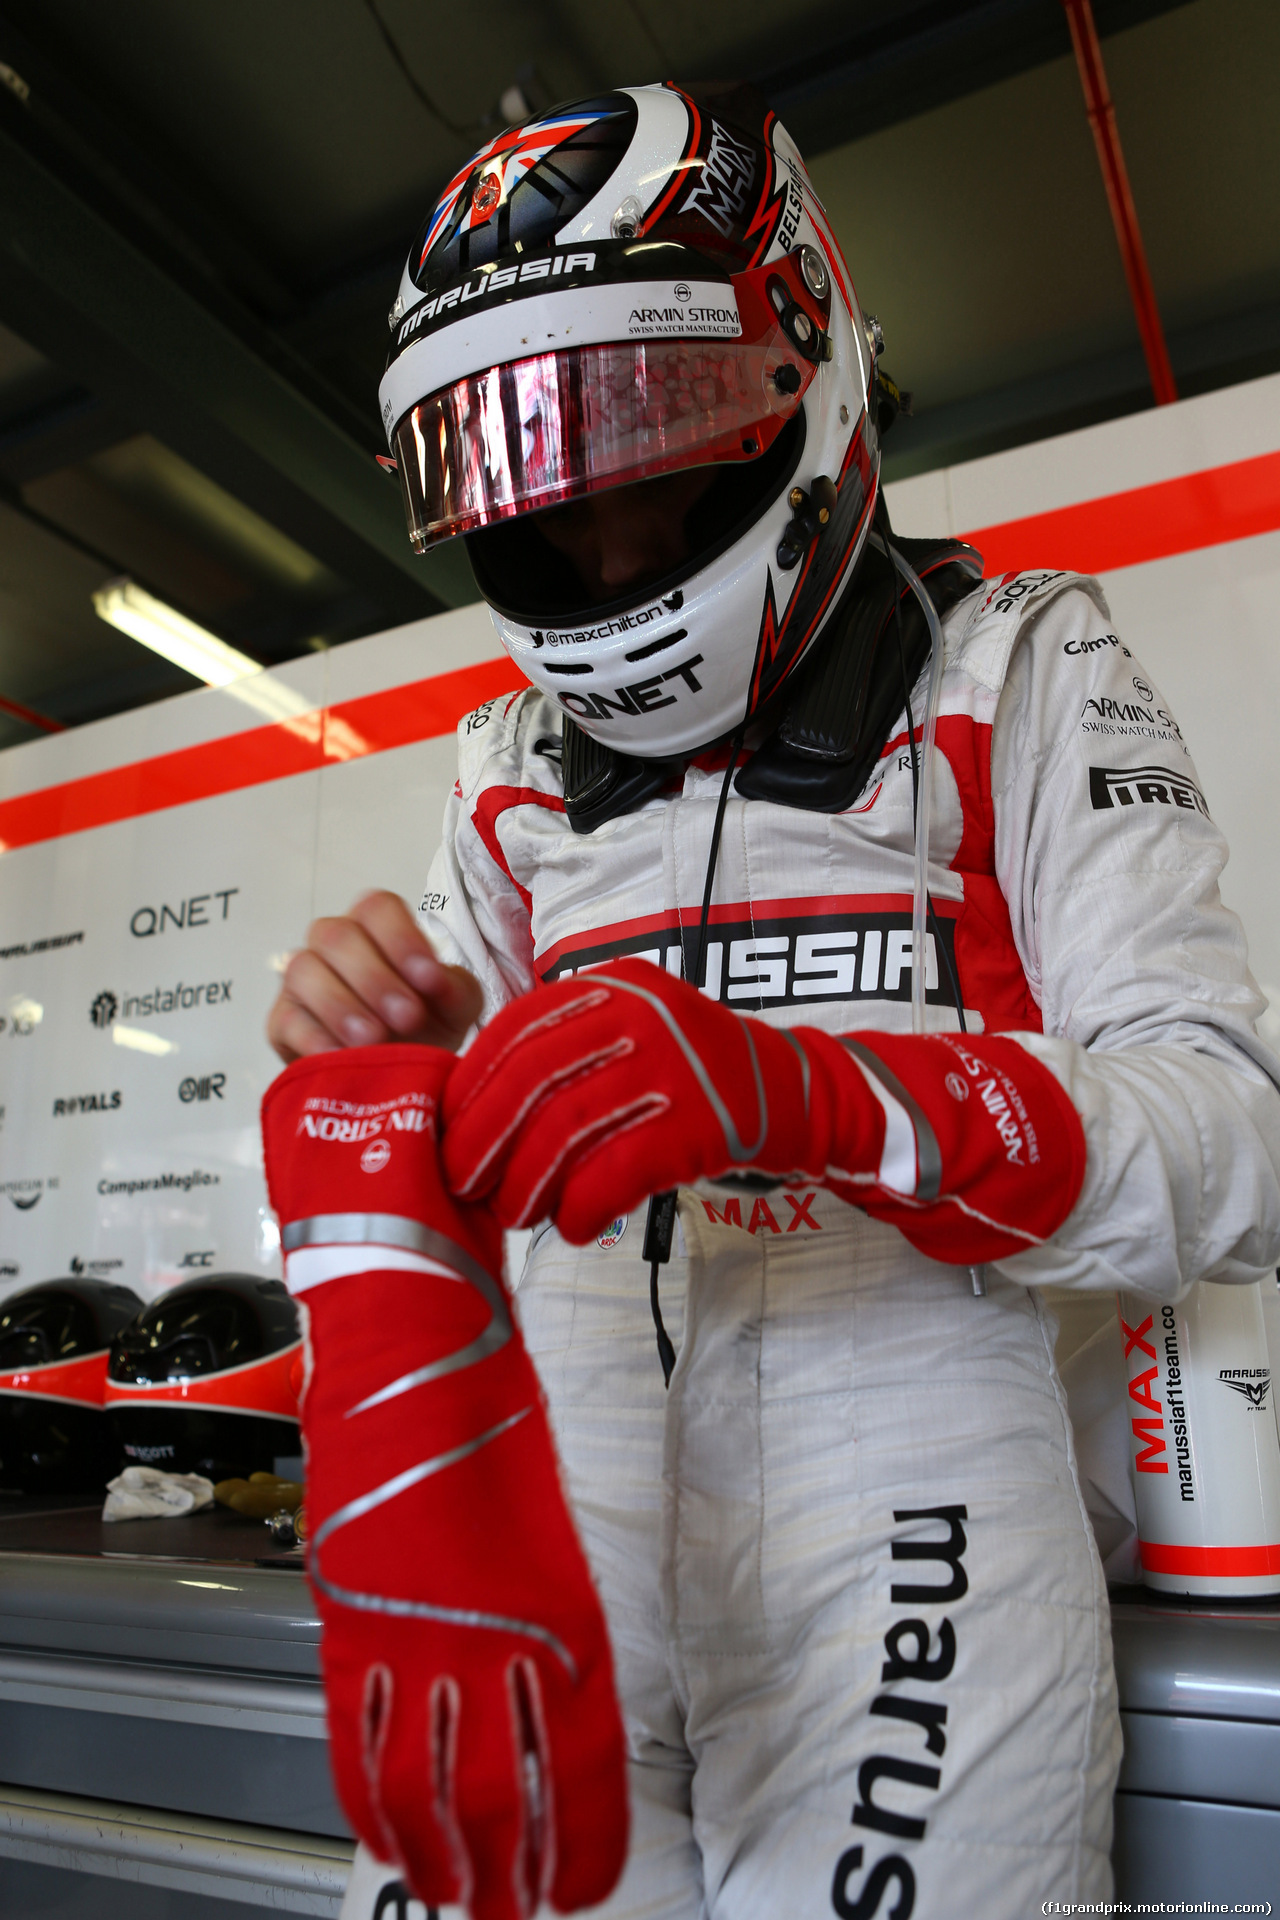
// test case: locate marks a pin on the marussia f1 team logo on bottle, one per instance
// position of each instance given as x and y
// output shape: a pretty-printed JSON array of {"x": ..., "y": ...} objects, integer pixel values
[{"x": 1250, "y": 1383}]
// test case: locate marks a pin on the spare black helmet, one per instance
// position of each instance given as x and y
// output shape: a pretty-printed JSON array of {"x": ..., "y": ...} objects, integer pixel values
[
  {"x": 205, "y": 1379},
  {"x": 54, "y": 1435}
]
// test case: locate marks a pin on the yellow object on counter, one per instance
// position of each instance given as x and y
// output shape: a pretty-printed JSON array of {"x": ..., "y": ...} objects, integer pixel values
[{"x": 261, "y": 1495}]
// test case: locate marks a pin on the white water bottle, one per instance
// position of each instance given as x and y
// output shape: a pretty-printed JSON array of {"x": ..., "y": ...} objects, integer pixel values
[
  {"x": 1205, "y": 1452},
  {"x": 1271, "y": 1320}
]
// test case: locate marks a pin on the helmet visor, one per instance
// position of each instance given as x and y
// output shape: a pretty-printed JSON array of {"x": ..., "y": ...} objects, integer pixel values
[{"x": 552, "y": 428}]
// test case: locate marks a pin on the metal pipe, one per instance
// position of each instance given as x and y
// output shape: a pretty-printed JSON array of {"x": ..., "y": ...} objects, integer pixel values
[
  {"x": 1106, "y": 137},
  {"x": 30, "y": 716}
]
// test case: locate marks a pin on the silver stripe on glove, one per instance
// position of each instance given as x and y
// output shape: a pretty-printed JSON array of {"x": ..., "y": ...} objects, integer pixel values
[
  {"x": 928, "y": 1153},
  {"x": 740, "y": 1151},
  {"x": 398, "y": 1230}
]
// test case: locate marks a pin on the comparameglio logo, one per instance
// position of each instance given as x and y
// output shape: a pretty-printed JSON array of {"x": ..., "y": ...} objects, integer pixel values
[
  {"x": 1091, "y": 646},
  {"x": 161, "y": 1183},
  {"x": 1251, "y": 1383}
]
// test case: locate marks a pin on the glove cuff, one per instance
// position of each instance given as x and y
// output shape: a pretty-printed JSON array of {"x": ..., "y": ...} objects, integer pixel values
[{"x": 980, "y": 1153}]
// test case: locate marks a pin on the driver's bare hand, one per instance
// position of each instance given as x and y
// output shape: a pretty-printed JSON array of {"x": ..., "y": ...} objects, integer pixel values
[{"x": 367, "y": 978}]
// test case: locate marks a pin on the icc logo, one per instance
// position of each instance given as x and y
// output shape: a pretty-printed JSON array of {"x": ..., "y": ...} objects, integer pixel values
[{"x": 104, "y": 1009}]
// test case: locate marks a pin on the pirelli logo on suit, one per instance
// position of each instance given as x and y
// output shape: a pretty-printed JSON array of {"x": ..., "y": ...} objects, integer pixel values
[
  {"x": 1144, "y": 787},
  {"x": 757, "y": 958}
]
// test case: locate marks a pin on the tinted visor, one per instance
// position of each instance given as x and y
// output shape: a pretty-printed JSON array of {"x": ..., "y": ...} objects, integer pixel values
[{"x": 552, "y": 428}]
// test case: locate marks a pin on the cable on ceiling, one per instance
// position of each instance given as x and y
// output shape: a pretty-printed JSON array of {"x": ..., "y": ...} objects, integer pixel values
[{"x": 397, "y": 54}]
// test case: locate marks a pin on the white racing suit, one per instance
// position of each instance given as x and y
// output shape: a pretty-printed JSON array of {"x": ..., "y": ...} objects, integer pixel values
[{"x": 861, "y": 1633}]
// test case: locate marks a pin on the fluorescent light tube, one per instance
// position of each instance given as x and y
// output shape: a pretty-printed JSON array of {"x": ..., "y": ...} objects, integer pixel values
[
  {"x": 166, "y": 631},
  {"x": 142, "y": 1041}
]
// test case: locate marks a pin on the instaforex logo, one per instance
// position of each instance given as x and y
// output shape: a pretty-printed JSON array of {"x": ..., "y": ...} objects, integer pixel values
[{"x": 106, "y": 1006}]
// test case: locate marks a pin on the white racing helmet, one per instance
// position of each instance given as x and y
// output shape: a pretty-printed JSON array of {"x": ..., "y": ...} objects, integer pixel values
[{"x": 628, "y": 287}]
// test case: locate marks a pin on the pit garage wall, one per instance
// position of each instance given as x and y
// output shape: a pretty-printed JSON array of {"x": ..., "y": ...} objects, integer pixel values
[
  {"x": 186, "y": 847},
  {"x": 132, "y": 1057}
]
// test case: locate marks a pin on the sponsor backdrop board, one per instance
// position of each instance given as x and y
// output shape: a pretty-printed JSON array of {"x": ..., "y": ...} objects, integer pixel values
[
  {"x": 138, "y": 957},
  {"x": 156, "y": 869}
]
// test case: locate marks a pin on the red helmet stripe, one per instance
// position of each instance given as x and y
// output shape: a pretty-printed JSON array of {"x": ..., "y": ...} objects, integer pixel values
[
  {"x": 82, "y": 1380},
  {"x": 261, "y": 1386},
  {"x": 678, "y": 176}
]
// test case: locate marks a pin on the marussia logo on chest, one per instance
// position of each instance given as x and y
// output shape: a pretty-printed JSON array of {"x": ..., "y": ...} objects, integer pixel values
[{"x": 760, "y": 961}]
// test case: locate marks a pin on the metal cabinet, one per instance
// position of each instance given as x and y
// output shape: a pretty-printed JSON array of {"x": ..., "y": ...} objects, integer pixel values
[
  {"x": 162, "y": 1734},
  {"x": 1198, "y": 1804}
]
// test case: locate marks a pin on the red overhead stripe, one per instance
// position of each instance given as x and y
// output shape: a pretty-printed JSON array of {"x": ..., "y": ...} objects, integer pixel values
[
  {"x": 1115, "y": 175},
  {"x": 423, "y": 710},
  {"x": 1146, "y": 523},
  {"x": 1232, "y": 502}
]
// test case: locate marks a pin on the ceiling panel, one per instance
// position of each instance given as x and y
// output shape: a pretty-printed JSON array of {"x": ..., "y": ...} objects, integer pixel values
[{"x": 221, "y": 198}]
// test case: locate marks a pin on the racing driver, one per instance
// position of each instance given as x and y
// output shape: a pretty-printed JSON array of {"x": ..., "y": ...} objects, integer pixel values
[{"x": 864, "y": 910}]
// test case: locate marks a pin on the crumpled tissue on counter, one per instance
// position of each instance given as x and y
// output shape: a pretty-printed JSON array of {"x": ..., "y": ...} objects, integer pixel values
[{"x": 145, "y": 1493}]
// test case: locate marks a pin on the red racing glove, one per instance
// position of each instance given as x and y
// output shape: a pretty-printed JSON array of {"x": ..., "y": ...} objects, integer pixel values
[
  {"x": 579, "y": 1100},
  {"x": 474, "y": 1732}
]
